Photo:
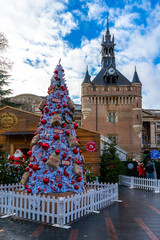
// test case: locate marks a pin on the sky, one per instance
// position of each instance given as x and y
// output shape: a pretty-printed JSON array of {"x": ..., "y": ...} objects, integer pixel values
[{"x": 41, "y": 32}]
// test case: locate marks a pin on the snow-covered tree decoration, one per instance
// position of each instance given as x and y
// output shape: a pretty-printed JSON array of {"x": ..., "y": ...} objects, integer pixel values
[{"x": 56, "y": 164}]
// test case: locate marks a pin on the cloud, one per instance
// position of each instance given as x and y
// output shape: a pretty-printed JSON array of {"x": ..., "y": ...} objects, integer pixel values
[{"x": 36, "y": 31}]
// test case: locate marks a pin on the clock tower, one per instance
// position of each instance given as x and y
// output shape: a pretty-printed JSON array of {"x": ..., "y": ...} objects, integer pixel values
[{"x": 111, "y": 104}]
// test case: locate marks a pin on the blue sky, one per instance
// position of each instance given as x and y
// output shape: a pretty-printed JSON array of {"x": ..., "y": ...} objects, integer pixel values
[{"x": 40, "y": 32}]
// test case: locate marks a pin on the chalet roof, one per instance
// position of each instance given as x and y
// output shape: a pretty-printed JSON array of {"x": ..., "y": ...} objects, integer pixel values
[{"x": 20, "y": 110}]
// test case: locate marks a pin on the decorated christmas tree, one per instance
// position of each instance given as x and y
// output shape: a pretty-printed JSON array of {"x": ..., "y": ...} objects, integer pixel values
[{"x": 56, "y": 163}]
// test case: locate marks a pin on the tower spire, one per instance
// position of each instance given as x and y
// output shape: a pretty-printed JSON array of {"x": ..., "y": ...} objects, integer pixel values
[
  {"x": 108, "y": 55},
  {"x": 107, "y": 22}
]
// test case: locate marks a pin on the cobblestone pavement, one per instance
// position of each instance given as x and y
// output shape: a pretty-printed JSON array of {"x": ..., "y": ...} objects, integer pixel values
[{"x": 137, "y": 217}]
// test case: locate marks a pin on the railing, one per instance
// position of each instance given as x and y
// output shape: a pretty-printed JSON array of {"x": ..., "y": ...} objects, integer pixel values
[
  {"x": 143, "y": 183},
  {"x": 61, "y": 210},
  {"x": 11, "y": 187}
]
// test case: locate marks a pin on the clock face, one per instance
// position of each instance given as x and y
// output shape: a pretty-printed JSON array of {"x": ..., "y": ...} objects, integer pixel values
[{"x": 111, "y": 71}]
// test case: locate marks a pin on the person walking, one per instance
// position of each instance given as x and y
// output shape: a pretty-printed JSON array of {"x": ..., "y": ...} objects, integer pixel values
[
  {"x": 141, "y": 170},
  {"x": 150, "y": 169}
]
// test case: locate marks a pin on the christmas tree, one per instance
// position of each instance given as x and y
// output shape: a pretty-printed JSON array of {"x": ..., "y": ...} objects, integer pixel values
[
  {"x": 111, "y": 165},
  {"x": 56, "y": 163}
]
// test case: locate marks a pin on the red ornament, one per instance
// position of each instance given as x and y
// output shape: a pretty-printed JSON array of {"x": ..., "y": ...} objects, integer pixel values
[
  {"x": 46, "y": 180},
  {"x": 43, "y": 121},
  {"x": 30, "y": 165},
  {"x": 75, "y": 151},
  {"x": 29, "y": 153},
  {"x": 64, "y": 155},
  {"x": 44, "y": 159},
  {"x": 59, "y": 106},
  {"x": 75, "y": 125},
  {"x": 26, "y": 187},
  {"x": 35, "y": 133},
  {"x": 50, "y": 114},
  {"x": 57, "y": 152},
  {"x": 46, "y": 110},
  {"x": 45, "y": 104},
  {"x": 64, "y": 105},
  {"x": 53, "y": 112},
  {"x": 29, "y": 190},
  {"x": 67, "y": 133},
  {"x": 56, "y": 71},
  {"x": 40, "y": 143},
  {"x": 73, "y": 182},
  {"x": 63, "y": 125},
  {"x": 78, "y": 179},
  {"x": 76, "y": 187},
  {"x": 56, "y": 137},
  {"x": 45, "y": 146},
  {"x": 62, "y": 70},
  {"x": 80, "y": 151},
  {"x": 84, "y": 172},
  {"x": 111, "y": 166},
  {"x": 39, "y": 189},
  {"x": 62, "y": 88},
  {"x": 60, "y": 185},
  {"x": 35, "y": 167},
  {"x": 26, "y": 169}
]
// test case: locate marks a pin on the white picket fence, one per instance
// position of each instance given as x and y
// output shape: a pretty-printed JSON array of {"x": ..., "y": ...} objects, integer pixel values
[
  {"x": 142, "y": 183},
  {"x": 59, "y": 211},
  {"x": 11, "y": 187}
]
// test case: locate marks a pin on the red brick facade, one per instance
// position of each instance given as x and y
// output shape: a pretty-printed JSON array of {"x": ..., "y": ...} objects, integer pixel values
[{"x": 126, "y": 104}]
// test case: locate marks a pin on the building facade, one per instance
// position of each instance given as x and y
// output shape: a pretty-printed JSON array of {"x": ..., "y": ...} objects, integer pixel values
[{"x": 111, "y": 104}]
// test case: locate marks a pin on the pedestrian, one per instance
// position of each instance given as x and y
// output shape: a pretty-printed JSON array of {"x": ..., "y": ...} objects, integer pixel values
[
  {"x": 141, "y": 170},
  {"x": 150, "y": 169}
]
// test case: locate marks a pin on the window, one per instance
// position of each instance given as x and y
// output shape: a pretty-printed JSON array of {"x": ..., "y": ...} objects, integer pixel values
[
  {"x": 113, "y": 138},
  {"x": 158, "y": 125},
  {"x": 111, "y": 117},
  {"x": 158, "y": 139}
]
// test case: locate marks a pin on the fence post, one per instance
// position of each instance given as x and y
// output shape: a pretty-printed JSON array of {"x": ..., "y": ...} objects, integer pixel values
[
  {"x": 132, "y": 182},
  {"x": 157, "y": 186},
  {"x": 61, "y": 211},
  {"x": 116, "y": 192}
]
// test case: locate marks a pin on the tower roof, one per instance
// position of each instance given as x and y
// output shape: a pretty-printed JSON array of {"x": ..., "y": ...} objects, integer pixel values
[
  {"x": 87, "y": 77},
  {"x": 135, "y": 77},
  {"x": 99, "y": 79}
]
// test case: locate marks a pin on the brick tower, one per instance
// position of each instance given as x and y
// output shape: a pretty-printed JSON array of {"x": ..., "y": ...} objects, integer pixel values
[{"x": 111, "y": 104}]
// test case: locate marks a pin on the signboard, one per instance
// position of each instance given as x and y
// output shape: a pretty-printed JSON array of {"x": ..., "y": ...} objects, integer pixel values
[
  {"x": 91, "y": 146},
  {"x": 8, "y": 120},
  {"x": 155, "y": 154}
]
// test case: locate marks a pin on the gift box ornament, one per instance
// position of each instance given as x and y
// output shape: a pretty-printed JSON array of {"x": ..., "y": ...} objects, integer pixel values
[
  {"x": 83, "y": 159},
  {"x": 72, "y": 141},
  {"x": 41, "y": 105},
  {"x": 53, "y": 161},
  {"x": 34, "y": 141},
  {"x": 71, "y": 105},
  {"x": 56, "y": 120},
  {"x": 24, "y": 178},
  {"x": 76, "y": 169}
]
